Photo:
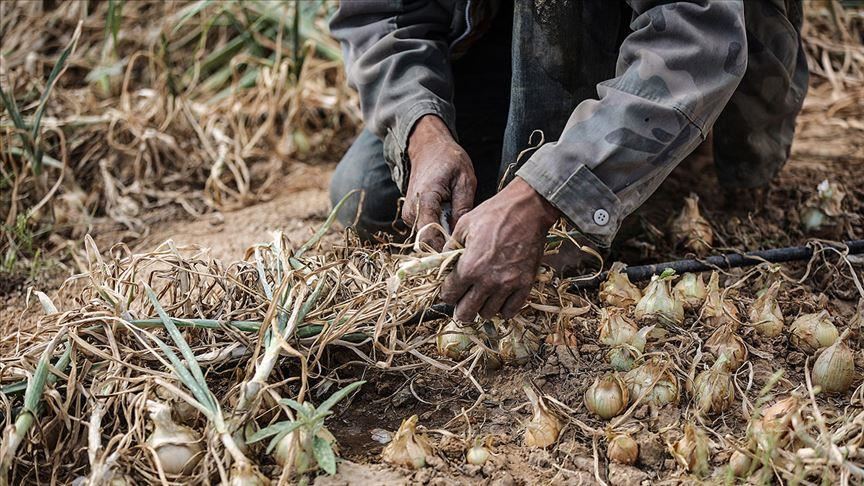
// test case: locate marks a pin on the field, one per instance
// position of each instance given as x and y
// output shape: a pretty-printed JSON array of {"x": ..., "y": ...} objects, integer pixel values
[{"x": 178, "y": 307}]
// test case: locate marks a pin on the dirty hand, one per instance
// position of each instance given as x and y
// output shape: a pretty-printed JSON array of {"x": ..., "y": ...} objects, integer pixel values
[
  {"x": 441, "y": 172},
  {"x": 504, "y": 239}
]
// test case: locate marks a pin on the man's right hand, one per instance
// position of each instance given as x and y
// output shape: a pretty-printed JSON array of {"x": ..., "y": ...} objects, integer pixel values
[{"x": 441, "y": 172}]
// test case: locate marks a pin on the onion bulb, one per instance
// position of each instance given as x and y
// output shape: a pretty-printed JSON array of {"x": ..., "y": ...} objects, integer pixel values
[
  {"x": 773, "y": 428},
  {"x": 691, "y": 290},
  {"x": 717, "y": 310},
  {"x": 543, "y": 428},
  {"x": 692, "y": 450},
  {"x": 408, "y": 448},
  {"x": 834, "y": 369},
  {"x": 724, "y": 341},
  {"x": 607, "y": 397},
  {"x": 178, "y": 447},
  {"x": 655, "y": 381},
  {"x": 454, "y": 341},
  {"x": 824, "y": 204},
  {"x": 622, "y": 449},
  {"x": 479, "y": 453},
  {"x": 304, "y": 458},
  {"x": 712, "y": 390},
  {"x": 765, "y": 315},
  {"x": 615, "y": 327},
  {"x": 691, "y": 230},
  {"x": 811, "y": 332},
  {"x": 658, "y": 303},
  {"x": 519, "y": 345},
  {"x": 623, "y": 356},
  {"x": 739, "y": 463},
  {"x": 617, "y": 290},
  {"x": 245, "y": 474}
]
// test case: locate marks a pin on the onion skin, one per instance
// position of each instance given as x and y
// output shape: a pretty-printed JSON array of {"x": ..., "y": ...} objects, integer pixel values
[
  {"x": 739, "y": 464},
  {"x": 518, "y": 346},
  {"x": 724, "y": 342},
  {"x": 408, "y": 448},
  {"x": 607, "y": 397},
  {"x": 811, "y": 332},
  {"x": 766, "y": 318},
  {"x": 615, "y": 327},
  {"x": 453, "y": 341},
  {"x": 178, "y": 447},
  {"x": 834, "y": 369},
  {"x": 477, "y": 455},
  {"x": 692, "y": 451},
  {"x": 691, "y": 290},
  {"x": 623, "y": 449},
  {"x": 659, "y": 304},
  {"x": 717, "y": 311},
  {"x": 691, "y": 230},
  {"x": 713, "y": 390},
  {"x": 617, "y": 290},
  {"x": 655, "y": 381},
  {"x": 544, "y": 427},
  {"x": 773, "y": 428}
]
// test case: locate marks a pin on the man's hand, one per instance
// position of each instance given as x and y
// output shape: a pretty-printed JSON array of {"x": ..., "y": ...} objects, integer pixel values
[
  {"x": 441, "y": 172},
  {"x": 504, "y": 240}
]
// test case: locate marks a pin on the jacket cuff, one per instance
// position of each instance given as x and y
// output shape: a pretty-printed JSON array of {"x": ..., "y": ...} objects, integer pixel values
[
  {"x": 582, "y": 197},
  {"x": 396, "y": 140}
]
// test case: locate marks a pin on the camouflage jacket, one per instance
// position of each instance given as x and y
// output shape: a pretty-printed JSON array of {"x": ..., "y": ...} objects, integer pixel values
[{"x": 675, "y": 73}]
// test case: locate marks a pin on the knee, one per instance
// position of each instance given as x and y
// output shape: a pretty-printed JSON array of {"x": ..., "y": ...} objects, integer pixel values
[{"x": 373, "y": 206}]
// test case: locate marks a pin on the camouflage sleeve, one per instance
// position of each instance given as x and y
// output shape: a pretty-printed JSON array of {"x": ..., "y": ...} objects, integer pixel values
[
  {"x": 675, "y": 73},
  {"x": 397, "y": 58}
]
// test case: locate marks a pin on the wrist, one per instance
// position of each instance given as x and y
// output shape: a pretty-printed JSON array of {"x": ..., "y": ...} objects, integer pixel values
[
  {"x": 546, "y": 213},
  {"x": 428, "y": 129}
]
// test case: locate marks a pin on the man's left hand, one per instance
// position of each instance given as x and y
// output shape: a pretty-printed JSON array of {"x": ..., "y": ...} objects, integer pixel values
[{"x": 504, "y": 239}]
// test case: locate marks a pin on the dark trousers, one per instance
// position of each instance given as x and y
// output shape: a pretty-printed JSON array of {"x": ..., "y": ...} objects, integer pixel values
[{"x": 506, "y": 90}]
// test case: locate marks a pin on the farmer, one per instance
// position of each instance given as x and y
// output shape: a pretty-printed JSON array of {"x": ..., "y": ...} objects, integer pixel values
[{"x": 452, "y": 90}]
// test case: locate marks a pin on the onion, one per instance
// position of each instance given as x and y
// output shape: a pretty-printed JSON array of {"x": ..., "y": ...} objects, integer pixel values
[
  {"x": 655, "y": 381},
  {"x": 658, "y": 304},
  {"x": 178, "y": 447},
  {"x": 739, "y": 464},
  {"x": 623, "y": 449},
  {"x": 712, "y": 390},
  {"x": 543, "y": 428},
  {"x": 691, "y": 290},
  {"x": 825, "y": 204},
  {"x": 607, "y": 397},
  {"x": 615, "y": 327},
  {"x": 724, "y": 341},
  {"x": 623, "y": 356},
  {"x": 811, "y": 332},
  {"x": 304, "y": 458},
  {"x": 519, "y": 345},
  {"x": 479, "y": 454},
  {"x": 773, "y": 429},
  {"x": 692, "y": 450},
  {"x": 454, "y": 341},
  {"x": 617, "y": 290},
  {"x": 834, "y": 369},
  {"x": 408, "y": 448},
  {"x": 765, "y": 315},
  {"x": 691, "y": 230},
  {"x": 245, "y": 474},
  {"x": 716, "y": 310}
]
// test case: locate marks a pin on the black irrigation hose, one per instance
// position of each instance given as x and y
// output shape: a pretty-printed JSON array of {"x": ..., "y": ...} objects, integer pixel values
[
  {"x": 729, "y": 260},
  {"x": 645, "y": 272}
]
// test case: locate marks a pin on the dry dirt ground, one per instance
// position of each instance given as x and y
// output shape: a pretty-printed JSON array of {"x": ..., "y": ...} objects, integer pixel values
[{"x": 822, "y": 151}]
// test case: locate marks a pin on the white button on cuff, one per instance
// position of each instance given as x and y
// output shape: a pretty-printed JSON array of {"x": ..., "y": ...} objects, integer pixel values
[{"x": 601, "y": 217}]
